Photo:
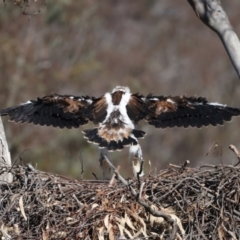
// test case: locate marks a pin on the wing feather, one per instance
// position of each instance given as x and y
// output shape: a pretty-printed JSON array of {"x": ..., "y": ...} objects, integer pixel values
[
  {"x": 136, "y": 108},
  {"x": 97, "y": 111},
  {"x": 53, "y": 110},
  {"x": 186, "y": 111}
]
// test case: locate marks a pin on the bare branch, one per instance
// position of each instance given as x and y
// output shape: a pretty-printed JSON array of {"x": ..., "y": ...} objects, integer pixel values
[
  {"x": 213, "y": 15},
  {"x": 113, "y": 177},
  {"x": 234, "y": 149},
  {"x": 5, "y": 158},
  {"x": 81, "y": 162},
  {"x": 119, "y": 177}
]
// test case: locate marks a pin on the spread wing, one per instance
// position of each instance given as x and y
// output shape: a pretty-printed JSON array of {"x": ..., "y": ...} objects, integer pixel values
[
  {"x": 136, "y": 108},
  {"x": 97, "y": 111},
  {"x": 186, "y": 111},
  {"x": 53, "y": 110}
]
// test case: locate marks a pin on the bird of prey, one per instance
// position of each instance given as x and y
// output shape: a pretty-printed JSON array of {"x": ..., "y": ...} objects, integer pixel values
[{"x": 116, "y": 115}]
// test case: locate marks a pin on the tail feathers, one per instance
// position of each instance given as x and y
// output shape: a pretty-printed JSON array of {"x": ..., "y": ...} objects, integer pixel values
[
  {"x": 113, "y": 142},
  {"x": 138, "y": 133}
]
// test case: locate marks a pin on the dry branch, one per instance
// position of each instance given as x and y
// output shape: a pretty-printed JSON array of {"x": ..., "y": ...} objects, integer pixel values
[
  {"x": 5, "y": 158},
  {"x": 213, "y": 15},
  {"x": 235, "y": 150}
]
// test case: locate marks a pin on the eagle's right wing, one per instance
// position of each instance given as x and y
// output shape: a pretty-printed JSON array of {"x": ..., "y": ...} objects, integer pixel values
[
  {"x": 53, "y": 110},
  {"x": 136, "y": 108}
]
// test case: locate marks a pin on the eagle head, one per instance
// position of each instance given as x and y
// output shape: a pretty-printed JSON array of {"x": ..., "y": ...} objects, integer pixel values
[{"x": 122, "y": 89}]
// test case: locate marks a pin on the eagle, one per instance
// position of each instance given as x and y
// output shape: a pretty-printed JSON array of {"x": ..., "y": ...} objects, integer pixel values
[{"x": 116, "y": 114}]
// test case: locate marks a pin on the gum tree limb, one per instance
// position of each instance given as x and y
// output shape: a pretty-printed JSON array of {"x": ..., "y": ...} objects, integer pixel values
[{"x": 213, "y": 15}]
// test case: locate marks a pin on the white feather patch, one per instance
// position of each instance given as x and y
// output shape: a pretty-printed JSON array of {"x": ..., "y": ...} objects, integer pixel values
[
  {"x": 122, "y": 89},
  {"x": 28, "y": 102},
  {"x": 217, "y": 104},
  {"x": 171, "y": 101}
]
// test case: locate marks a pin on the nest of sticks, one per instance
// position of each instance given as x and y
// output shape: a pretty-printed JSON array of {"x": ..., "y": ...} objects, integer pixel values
[{"x": 177, "y": 203}]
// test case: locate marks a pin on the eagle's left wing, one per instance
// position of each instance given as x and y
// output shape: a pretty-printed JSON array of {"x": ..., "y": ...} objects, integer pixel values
[
  {"x": 186, "y": 111},
  {"x": 53, "y": 110}
]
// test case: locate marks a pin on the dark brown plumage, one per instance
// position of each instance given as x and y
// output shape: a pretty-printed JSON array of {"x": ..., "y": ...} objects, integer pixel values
[
  {"x": 117, "y": 113},
  {"x": 187, "y": 112}
]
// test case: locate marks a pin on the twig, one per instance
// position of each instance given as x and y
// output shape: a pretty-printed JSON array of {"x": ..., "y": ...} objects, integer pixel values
[
  {"x": 81, "y": 162},
  {"x": 139, "y": 174},
  {"x": 150, "y": 167},
  {"x": 30, "y": 167},
  {"x": 215, "y": 143},
  {"x": 78, "y": 202},
  {"x": 174, "y": 165},
  {"x": 119, "y": 177},
  {"x": 183, "y": 166},
  {"x": 19, "y": 158},
  {"x": 208, "y": 166},
  {"x": 229, "y": 232},
  {"x": 234, "y": 149},
  {"x": 114, "y": 176},
  {"x": 95, "y": 176}
]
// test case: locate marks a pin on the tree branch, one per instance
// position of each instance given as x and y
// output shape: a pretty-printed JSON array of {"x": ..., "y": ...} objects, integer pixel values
[
  {"x": 212, "y": 14},
  {"x": 5, "y": 158},
  {"x": 235, "y": 150}
]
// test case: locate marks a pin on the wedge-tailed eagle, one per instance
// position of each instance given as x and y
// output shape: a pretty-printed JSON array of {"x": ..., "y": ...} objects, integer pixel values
[{"x": 116, "y": 115}]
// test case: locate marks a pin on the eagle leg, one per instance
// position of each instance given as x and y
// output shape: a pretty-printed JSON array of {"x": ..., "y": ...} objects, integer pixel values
[
  {"x": 106, "y": 169},
  {"x": 135, "y": 157}
]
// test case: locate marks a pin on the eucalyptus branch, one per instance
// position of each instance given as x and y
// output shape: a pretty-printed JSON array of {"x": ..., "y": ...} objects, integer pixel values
[{"x": 213, "y": 15}]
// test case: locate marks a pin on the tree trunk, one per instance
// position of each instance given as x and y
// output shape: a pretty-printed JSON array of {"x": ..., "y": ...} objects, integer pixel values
[{"x": 5, "y": 158}]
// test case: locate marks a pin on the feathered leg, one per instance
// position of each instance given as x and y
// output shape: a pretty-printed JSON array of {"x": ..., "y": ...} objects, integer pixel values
[
  {"x": 106, "y": 170},
  {"x": 135, "y": 156}
]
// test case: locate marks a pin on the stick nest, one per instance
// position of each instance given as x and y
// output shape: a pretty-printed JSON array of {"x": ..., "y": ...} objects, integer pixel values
[{"x": 203, "y": 204}]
